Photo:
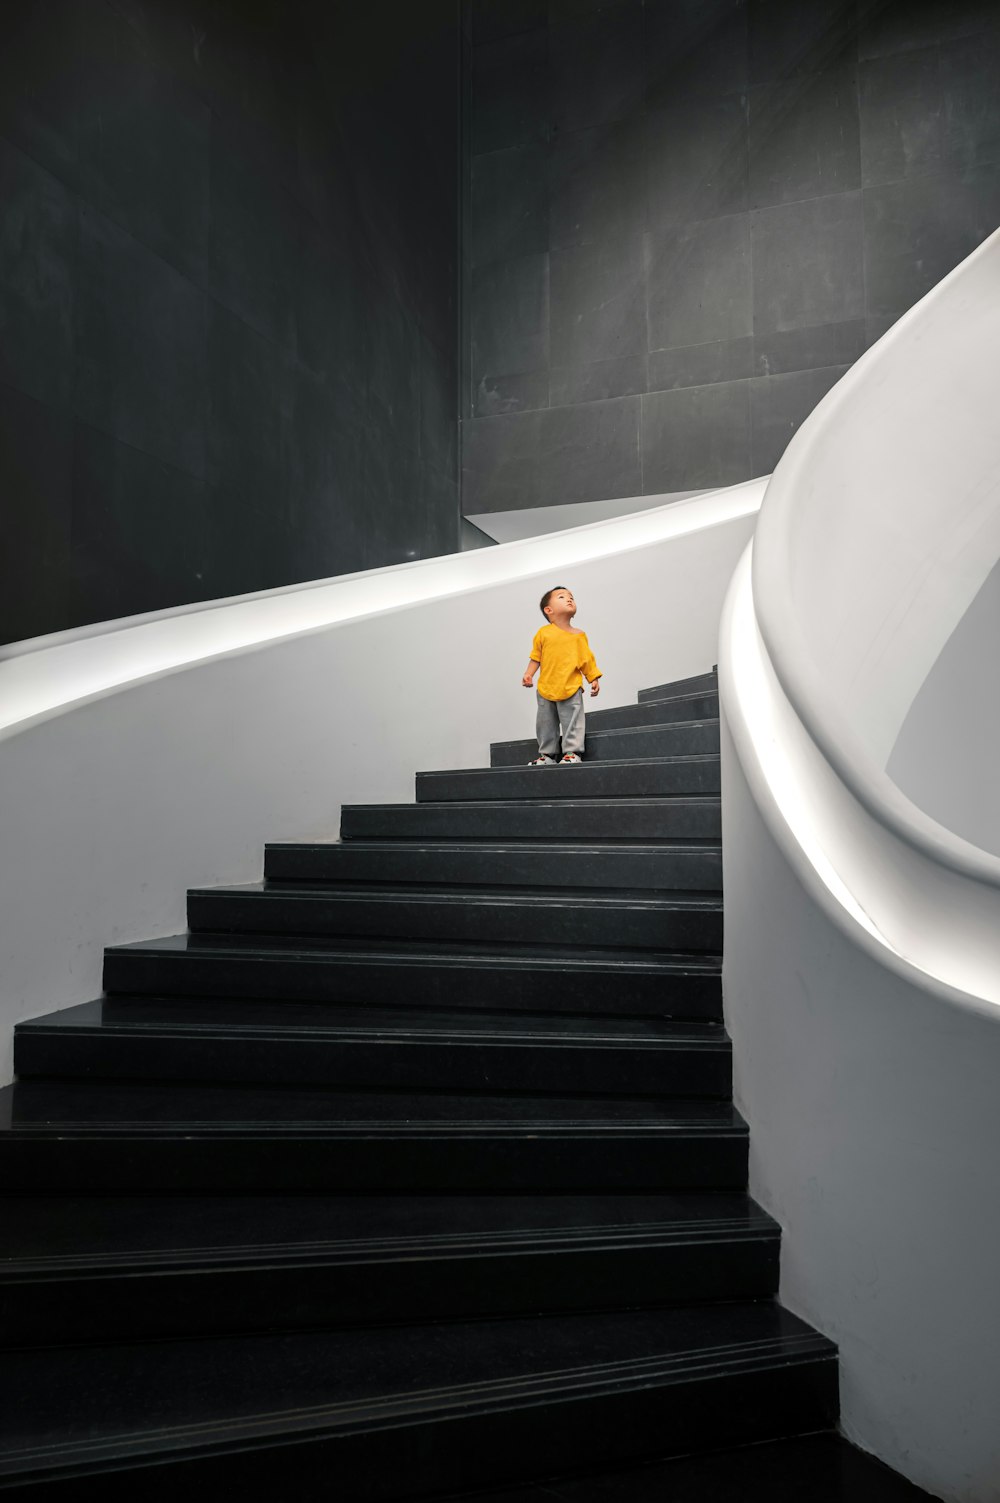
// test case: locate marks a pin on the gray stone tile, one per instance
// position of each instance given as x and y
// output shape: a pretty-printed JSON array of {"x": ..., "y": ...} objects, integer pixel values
[
  {"x": 38, "y": 247},
  {"x": 699, "y": 283},
  {"x": 804, "y": 138},
  {"x": 808, "y": 263},
  {"x": 509, "y": 204},
  {"x": 46, "y": 65},
  {"x": 393, "y": 352},
  {"x": 596, "y": 65},
  {"x": 250, "y": 405},
  {"x": 584, "y": 453},
  {"x": 598, "y": 295},
  {"x": 918, "y": 230},
  {"x": 888, "y": 26},
  {"x": 510, "y": 92},
  {"x": 247, "y": 551},
  {"x": 780, "y": 351},
  {"x": 441, "y": 517},
  {"x": 695, "y": 47},
  {"x": 332, "y": 293},
  {"x": 254, "y": 251},
  {"x": 969, "y": 72},
  {"x": 500, "y": 462},
  {"x": 519, "y": 393},
  {"x": 509, "y": 317},
  {"x": 598, "y": 183},
  {"x": 697, "y": 159},
  {"x": 570, "y": 384},
  {"x": 779, "y": 405},
  {"x": 438, "y": 407},
  {"x": 701, "y": 364},
  {"x": 138, "y": 531},
  {"x": 36, "y": 467},
  {"x": 902, "y": 121},
  {"x": 323, "y": 492},
  {"x": 789, "y": 38},
  {"x": 696, "y": 437},
  {"x": 490, "y": 19},
  {"x": 589, "y": 453},
  {"x": 144, "y": 154},
  {"x": 140, "y": 338}
]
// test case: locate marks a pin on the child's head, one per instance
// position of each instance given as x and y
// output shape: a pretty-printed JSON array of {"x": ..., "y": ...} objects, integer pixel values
[{"x": 557, "y": 602}]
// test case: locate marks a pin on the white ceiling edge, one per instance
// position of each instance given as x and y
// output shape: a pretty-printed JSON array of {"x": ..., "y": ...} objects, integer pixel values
[{"x": 536, "y": 521}]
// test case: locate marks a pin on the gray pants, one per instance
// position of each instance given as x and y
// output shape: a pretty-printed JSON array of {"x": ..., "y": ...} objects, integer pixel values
[{"x": 553, "y": 716}]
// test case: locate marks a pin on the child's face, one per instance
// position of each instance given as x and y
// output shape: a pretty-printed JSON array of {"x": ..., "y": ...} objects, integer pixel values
[{"x": 561, "y": 603}]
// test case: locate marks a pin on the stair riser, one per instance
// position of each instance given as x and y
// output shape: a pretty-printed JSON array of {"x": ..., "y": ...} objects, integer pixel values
[
  {"x": 690, "y": 930},
  {"x": 702, "y": 683},
  {"x": 196, "y": 1302},
  {"x": 246, "y": 1163},
  {"x": 653, "y": 741},
  {"x": 381, "y": 1065},
  {"x": 658, "y": 870},
  {"x": 656, "y": 712},
  {"x": 584, "y": 781},
  {"x": 600, "y": 991},
  {"x": 642, "y": 821},
  {"x": 443, "y": 1455}
]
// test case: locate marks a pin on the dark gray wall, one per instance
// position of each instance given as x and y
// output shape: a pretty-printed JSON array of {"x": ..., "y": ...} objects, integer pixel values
[
  {"x": 686, "y": 218},
  {"x": 228, "y": 308}
]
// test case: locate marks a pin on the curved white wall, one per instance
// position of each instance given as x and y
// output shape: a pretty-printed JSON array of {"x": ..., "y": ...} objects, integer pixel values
[
  {"x": 862, "y": 964},
  {"x": 947, "y": 752},
  {"x": 160, "y": 755}
]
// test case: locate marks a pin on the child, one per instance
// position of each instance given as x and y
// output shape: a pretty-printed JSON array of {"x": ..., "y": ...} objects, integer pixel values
[{"x": 564, "y": 655}]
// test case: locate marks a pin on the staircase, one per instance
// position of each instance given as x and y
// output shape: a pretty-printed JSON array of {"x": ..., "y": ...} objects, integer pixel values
[{"x": 414, "y": 1171}]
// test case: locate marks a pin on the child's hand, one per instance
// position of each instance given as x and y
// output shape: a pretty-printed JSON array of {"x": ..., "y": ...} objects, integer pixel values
[
  {"x": 595, "y": 688},
  {"x": 528, "y": 680}
]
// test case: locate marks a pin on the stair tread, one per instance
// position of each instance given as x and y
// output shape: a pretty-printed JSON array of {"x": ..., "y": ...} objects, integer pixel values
[
  {"x": 488, "y": 955},
  {"x": 631, "y": 763},
  {"x": 249, "y": 1017},
  {"x": 430, "y": 893},
  {"x": 492, "y": 845},
  {"x": 63, "y": 1108},
  {"x": 88, "y": 1404},
  {"x": 666, "y": 727},
  {"x": 818, "y": 1468},
  {"x": 55, "y": 1235}
]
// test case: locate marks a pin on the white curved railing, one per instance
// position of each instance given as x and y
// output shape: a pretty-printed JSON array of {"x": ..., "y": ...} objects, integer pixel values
[
  {"x": 879, "y": 526},
  {"x": 862, "y": 964}
]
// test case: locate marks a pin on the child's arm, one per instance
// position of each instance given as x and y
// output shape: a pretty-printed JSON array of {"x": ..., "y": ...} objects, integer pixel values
[
  {"x": 595, "y": 685},
  {"x": 592, "y": 673},
  {"x": 527, "y": 678}
]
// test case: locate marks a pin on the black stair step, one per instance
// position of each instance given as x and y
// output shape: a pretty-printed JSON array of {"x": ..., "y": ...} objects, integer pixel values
[
  {"x": 626, "y": 743},
  {"x": 542, "y": 819},
  {"x": 661, "y": 778},
  {"x": 690, "y": 922},
  {"x": 703, "y": 706},
  {"x": 803, "y": 1469},
  {"x": 408, "y": 1411},
  {"x": 61, "y": 1136},
  {"x": 408, "y": 1048},
  {"x": 701, "y": 683},
  {"x": 83, "y": 1268},
  {"x": 691, "y": 866},
  {"x": 513, "y": 977}
]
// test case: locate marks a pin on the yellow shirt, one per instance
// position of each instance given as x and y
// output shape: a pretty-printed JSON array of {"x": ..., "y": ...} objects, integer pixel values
[{"x": 566, "y": 661}]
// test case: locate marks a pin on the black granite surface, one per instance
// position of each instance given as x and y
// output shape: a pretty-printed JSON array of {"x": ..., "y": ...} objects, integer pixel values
[
  {"x": 715, "y": 192},
  {"x": 228, "y": 295}
]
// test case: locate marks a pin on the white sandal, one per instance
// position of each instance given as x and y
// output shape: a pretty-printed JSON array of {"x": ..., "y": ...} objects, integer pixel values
[
  {"x": 542, "y": 760},
  {"x": 570, "y": 757}
]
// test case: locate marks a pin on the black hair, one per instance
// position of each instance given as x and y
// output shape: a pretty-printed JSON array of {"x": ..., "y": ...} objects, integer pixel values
[{"x": 548, "y": 596}]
